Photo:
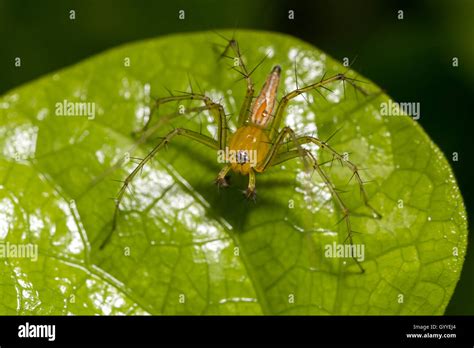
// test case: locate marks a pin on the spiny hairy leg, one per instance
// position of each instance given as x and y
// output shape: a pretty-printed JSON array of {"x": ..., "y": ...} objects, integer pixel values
[
  {"x": 292, "y": 154},
  {"x": 344, "y": 209},
  {"x": 284, "y": 156},
  {"x": 251, "y": 193},
  {"x": 324, "y": 146},
  {"x": 147, "y": 135},
  {"x": 160, "y": 101},
  {"x": 239, "y": 65},
  {"x": 222, "y": 179},
  {"x": 128, "y": 180},
  {"x": 280, "y": 111},
  {"x": 216, "y": 109},
  {"x": 276, "y": 146}
]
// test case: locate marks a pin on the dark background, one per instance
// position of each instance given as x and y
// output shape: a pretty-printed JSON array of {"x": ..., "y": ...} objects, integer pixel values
[{"x": 410, "y": 58}]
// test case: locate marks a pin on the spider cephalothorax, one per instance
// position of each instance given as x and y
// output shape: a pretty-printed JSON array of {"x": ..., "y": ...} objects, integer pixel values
[{"x": 259, "y": 141}]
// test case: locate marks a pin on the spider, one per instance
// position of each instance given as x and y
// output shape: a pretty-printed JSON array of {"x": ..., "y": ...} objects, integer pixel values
[{"x": 259, "y": 142}]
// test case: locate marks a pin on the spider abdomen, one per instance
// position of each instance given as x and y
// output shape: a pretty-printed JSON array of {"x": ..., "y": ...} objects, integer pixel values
[{"x": 248, "y": 146}]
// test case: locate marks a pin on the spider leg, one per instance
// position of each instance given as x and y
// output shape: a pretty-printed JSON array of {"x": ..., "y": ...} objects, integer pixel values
[
  {"x": 215, "y": 108},
  {"x": 240, "y": 66},
  {"x": 276, "y": 146},
  {"x": 217, "y": 111},
  {"x": 324, "y": 146},
  {"x": 222, "y": 180},
  {"x": 178, "y": 131},
  {"x": 245, "y": 108},
  {"x": 340, "y": 202},
  {"x": 251, "y": 193},
  {"x": 346, "y": 163},
  {"x": 288, "y": 155},
  {"x": 314, "y": 86},
  {"x": 160, "y": 101}
]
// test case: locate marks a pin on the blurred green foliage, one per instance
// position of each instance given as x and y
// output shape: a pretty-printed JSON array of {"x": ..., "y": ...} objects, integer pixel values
[{"x": 410, "y": 58}]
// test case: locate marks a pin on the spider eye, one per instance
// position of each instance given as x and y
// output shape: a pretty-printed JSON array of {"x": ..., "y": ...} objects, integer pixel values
[{"x": 242, "y": 157}]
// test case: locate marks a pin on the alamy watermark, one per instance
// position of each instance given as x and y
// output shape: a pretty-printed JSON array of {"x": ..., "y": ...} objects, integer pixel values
[
  {"x": 336, "y": 250},
  {"x": 28, "y": 330},
  {"x": 392, "y": 108},
  {"x": 25, "y": 251},
  {"x": 237, "y": 156},
  {"x": 69, "y": 108}
]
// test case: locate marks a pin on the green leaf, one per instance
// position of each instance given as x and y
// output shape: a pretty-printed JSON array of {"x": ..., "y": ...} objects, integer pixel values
[{"x": 182, "y": 247}]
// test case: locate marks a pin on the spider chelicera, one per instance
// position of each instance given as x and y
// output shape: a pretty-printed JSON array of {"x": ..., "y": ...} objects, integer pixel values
[{"x": 259, "y": 142}]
